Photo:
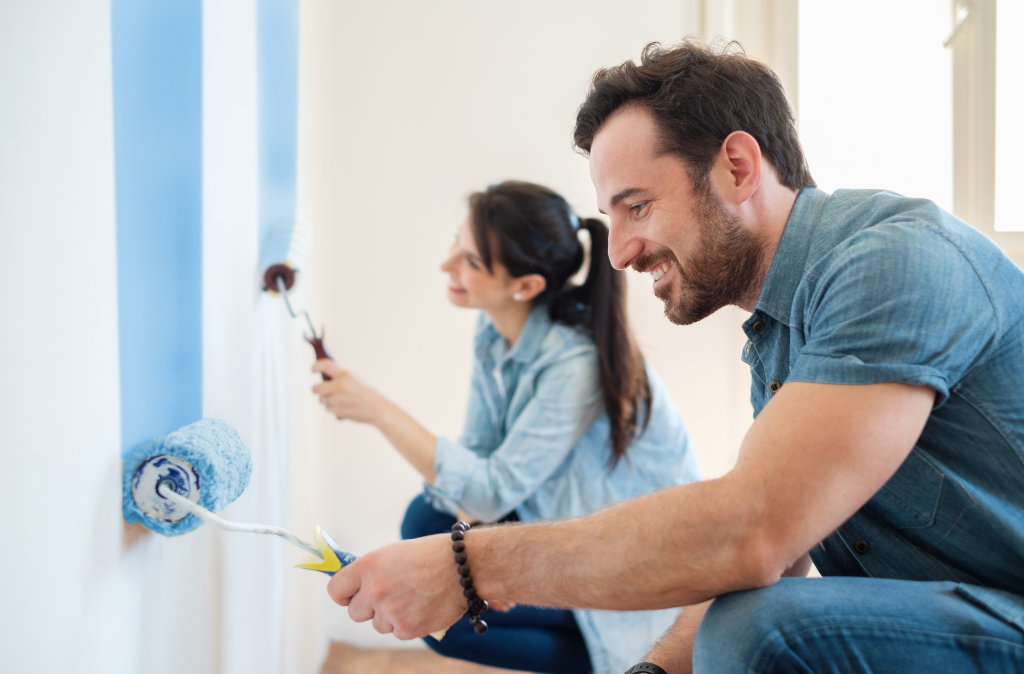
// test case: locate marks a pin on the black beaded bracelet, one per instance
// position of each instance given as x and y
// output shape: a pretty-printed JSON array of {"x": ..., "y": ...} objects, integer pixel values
[{"x": 476, "y": 605}]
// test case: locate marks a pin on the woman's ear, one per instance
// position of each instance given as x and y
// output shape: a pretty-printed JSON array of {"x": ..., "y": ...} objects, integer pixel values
[{"x": 525, "y": 288}]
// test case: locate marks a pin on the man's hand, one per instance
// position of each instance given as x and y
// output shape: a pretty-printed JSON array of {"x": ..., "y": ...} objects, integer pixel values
[{"x": 410, "y": 589}]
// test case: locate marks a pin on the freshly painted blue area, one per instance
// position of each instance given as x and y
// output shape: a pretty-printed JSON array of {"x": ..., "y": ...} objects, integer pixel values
[
  {"x": 277, "y": 53},
  {"x": 157, "y": 73}
]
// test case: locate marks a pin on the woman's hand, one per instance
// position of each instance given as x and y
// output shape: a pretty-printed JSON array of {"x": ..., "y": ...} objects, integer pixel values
[{"x": 346, "y": 396}]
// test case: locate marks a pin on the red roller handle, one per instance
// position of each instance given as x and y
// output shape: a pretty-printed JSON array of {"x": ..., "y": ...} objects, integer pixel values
[{"x": 321, "y": 351}]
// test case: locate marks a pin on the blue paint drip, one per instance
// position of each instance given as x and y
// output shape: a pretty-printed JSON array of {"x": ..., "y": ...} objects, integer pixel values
[
  {"x": 157, "y": 77},
  {"x": 277, "y": 36}
]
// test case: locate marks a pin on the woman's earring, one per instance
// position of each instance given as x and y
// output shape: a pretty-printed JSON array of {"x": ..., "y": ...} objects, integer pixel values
[{"x": 518, "y": 297}]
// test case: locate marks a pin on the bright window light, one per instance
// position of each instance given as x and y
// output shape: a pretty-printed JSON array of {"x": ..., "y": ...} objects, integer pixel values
[
  {"x": 875, "y": 96},
  {"x": 1009, "y": 216}
]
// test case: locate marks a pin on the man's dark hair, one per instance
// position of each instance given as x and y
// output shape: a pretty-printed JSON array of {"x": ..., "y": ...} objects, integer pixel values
[{"x": 698, "y": 95}]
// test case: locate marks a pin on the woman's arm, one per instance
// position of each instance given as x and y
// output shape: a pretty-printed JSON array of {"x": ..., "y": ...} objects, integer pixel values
[
  {"x": 347, "y": 397},
  {"x": 564, "y": 400}
]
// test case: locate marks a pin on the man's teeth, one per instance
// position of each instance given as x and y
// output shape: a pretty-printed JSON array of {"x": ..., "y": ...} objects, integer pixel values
[{"x": 661, "y": 270}]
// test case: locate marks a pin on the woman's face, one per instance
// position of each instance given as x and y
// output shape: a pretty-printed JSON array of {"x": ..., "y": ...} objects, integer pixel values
[{"x": 470, "y": 284}]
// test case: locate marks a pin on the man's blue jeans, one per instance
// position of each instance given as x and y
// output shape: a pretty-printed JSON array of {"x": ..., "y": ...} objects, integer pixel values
[{"x": 849, "y": 625}]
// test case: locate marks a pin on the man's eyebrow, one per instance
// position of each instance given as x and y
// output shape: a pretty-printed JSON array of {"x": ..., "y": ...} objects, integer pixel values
[{"x": 623, "y": 194}]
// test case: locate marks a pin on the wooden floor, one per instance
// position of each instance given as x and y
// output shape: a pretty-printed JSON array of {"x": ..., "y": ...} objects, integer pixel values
[{"x": 345, "y": 659}]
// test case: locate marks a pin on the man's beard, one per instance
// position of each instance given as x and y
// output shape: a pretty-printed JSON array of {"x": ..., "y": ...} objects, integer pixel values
[{"x": 726, "y": 267}]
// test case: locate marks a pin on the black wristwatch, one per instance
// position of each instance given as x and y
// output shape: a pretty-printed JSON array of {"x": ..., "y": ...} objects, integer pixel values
[{"x": 645, "y": 668}]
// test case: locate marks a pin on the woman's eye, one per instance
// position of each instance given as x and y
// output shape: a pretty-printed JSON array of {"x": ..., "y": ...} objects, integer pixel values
[{"x": 472, "y": 264}]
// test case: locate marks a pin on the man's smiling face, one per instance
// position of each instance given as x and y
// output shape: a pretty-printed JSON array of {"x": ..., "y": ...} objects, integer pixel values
[{"x": 700, "y": 256}]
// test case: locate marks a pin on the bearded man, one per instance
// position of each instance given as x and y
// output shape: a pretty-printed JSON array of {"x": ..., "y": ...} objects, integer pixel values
[{"x": 886, "y": 348}]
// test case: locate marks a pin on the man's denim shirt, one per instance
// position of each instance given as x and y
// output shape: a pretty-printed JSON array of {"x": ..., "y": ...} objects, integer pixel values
[
  {"x": 536, "y": 442},
  {"x": 868, "y": 287}
]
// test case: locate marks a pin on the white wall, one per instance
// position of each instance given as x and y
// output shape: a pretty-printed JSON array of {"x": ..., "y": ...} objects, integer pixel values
[
  {"x": 69, "y": 582},
  {"x": 406, "y": 108}
]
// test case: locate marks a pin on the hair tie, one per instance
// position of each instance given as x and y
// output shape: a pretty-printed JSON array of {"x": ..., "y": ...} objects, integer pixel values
[{"x": 574, "y": 221}]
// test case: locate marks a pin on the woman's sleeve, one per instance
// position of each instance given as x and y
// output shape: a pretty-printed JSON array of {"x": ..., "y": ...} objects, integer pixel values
[{"x": 566, "y": 399}]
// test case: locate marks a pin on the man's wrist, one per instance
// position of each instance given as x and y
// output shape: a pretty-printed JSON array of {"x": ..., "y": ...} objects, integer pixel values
[{"x": 645, "y": 668}]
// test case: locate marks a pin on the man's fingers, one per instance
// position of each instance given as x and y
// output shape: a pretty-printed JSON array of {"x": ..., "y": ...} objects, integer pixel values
[
  {"x": 381, "y": 625},
  {"x": 344, "y": 585},
  {"x": 360, "y": 612}
]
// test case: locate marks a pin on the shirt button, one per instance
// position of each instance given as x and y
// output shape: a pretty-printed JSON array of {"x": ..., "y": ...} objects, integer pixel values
[
  {"x": 774, "y": 386},
  {"x": 758, "y": 326},
  {"x": 861, "y": 547}
]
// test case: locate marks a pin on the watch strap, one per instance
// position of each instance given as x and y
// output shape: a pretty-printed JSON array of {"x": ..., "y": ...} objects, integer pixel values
[{"x": 645, "y": 668}]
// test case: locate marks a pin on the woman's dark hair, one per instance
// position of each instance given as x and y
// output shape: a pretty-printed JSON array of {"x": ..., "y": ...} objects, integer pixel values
[
  {"x": 698, "y": 95},
  {"x": 532, "y": 230}
]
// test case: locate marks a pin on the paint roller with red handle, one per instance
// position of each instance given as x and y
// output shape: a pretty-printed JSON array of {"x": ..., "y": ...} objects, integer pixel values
[{"x": 290, "y": 243}]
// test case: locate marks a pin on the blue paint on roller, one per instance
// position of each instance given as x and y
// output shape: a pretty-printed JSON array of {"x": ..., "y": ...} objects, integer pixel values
[{"x": 215, "y": 451}]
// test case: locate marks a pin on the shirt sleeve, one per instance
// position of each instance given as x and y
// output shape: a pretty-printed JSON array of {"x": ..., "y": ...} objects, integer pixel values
[
  {"x": 901, "y": 303},
  {"x": 566, "y": 396}
]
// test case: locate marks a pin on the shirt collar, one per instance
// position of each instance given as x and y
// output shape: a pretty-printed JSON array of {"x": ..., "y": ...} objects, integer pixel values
[
  {"x": 530, "y": 338},
  {"x": 790, "y": 257}
]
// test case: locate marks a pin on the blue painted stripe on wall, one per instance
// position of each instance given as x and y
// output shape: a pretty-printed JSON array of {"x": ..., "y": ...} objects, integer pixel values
[
  {"x": 157, "y": 73},
  {"x": 277, "y": 26}
]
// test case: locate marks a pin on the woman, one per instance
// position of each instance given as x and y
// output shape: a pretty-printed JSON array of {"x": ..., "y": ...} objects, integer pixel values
[{"x": 563, "y": 418}]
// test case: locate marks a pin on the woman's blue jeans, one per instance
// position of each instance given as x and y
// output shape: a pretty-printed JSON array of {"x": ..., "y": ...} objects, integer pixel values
[
  {"x": 854, "y": 625},
  {"x": 527, "y": 638}
]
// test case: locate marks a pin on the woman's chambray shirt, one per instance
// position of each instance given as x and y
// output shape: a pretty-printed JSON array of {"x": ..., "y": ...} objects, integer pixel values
[
  {"x": 536, "y": 442},
  {"x": 869, "y": 287}
]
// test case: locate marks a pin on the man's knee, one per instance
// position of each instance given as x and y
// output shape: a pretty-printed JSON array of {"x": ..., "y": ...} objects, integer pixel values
[{"x": 740, "y": 625}]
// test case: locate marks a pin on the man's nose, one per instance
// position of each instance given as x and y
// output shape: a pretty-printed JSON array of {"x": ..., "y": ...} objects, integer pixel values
[{"x": 622, "y": 248}]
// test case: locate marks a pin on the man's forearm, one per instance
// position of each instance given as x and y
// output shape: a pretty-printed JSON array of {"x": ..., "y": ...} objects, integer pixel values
[
  {"x": 622, "y": 558},
  {"x": 809, "y": 462}
]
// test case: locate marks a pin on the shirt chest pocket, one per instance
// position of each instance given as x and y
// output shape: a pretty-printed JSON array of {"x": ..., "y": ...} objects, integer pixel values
[{"x": 920, "y": 501}]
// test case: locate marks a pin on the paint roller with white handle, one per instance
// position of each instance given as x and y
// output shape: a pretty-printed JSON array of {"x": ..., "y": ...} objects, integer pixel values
[
  {"x": 174, "y": 483},
  {"x": 168, "y": 481},
  {"x": 284, "y": 249}
]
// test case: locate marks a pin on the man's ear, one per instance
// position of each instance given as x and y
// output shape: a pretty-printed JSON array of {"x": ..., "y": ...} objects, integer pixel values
[
  {"x": 738, "y": 168},
  {"x": 529, "y": 286}
]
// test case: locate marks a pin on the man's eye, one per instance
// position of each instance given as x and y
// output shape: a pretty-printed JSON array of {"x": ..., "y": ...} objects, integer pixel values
[{"x": 636, "y": 208}]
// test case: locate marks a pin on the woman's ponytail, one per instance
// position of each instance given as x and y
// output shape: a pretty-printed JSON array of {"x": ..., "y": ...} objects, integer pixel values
[
  {"x": 600, "y": 304},
  {"x": 532, "y": 230}
]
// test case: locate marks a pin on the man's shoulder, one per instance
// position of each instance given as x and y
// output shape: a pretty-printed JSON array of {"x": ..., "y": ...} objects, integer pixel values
[
  {"x": 871, "y": 249},
  {"x": 884, "y": 232}
]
